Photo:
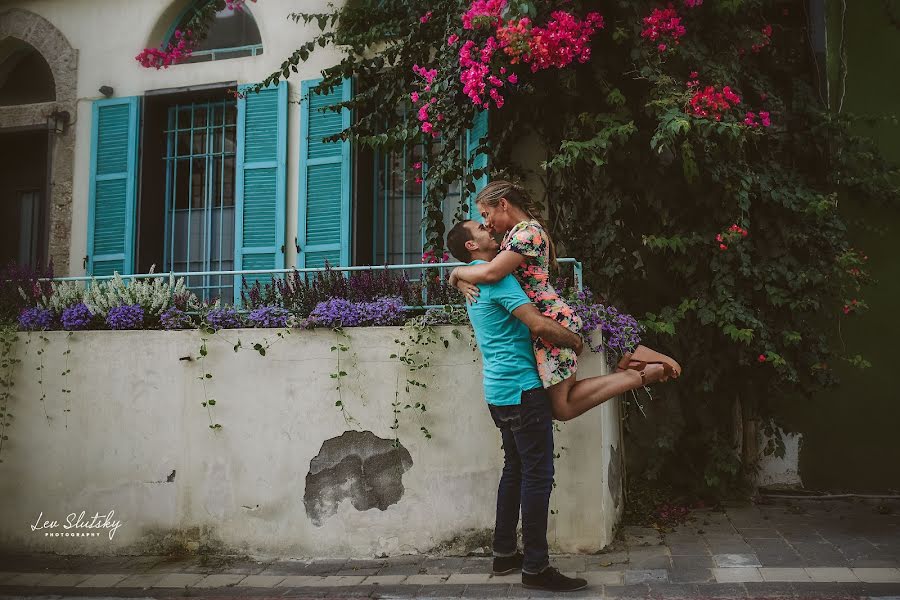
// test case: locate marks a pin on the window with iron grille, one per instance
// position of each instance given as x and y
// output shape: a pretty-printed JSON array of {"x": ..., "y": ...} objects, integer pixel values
[
  {"x": 200, "y": 194},
  {"x": 398, "y": 224}
]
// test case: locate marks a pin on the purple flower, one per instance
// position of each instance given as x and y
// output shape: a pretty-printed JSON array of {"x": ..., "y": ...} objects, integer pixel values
[
  {"x": 224, "y": 318},
  {"x": 339, "y": 312},
  {"x": 384, "y": 311},
  {"x": 621, "y": 332},
  {"x": 35, "y": 319},
  {"x": 130, "y": 316},
  {"x": 269, "y": 316},
  {"x": 77, "y": 317},
  {"x": 336, "y": 312},
  {"x": 174, "y": 318}
]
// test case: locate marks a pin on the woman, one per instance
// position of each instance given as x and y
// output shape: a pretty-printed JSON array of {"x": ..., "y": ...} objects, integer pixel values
[{"x": 527, "y": 251}]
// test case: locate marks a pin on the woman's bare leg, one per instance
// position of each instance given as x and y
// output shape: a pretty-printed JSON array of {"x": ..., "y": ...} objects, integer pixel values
[{"x": 572, "y": 398}]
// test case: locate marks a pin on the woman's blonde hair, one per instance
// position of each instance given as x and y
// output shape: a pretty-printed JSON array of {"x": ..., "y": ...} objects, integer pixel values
[{"x": 516, "y": 195}]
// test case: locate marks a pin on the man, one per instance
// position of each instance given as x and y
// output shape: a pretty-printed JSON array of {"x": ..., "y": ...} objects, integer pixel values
[{"x": 504, "y": 320}]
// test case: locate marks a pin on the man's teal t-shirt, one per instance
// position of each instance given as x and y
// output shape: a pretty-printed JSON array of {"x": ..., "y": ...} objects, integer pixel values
[{"x": 505, "y": 342}]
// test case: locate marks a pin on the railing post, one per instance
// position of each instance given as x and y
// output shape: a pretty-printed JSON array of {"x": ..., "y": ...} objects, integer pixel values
[{"x": 579, "y": 276}]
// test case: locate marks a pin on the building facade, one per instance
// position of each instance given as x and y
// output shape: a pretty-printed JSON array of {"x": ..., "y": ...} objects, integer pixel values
[{"x": 120, "y": 168}]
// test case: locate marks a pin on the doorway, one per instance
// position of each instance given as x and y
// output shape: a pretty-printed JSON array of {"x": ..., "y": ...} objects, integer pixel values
[{"x": 23, "y": 194}]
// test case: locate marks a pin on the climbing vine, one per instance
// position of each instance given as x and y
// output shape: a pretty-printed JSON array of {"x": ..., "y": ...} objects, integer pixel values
[{"x": 689, "y": 162}]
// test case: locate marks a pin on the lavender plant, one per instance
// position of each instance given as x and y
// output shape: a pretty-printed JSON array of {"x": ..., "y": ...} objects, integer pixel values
[
  {"x": 77, "y": 317},
  {"x": 129, "y": 316},
  {"x": 13, "y": 279},
  {"x": 154, "y": 295},
  {"x": 224, "y": 318},
  {"x": 269, "y": 316},
  {"x": 175, "y": 318},
  {"x": 35, "y": 319}
]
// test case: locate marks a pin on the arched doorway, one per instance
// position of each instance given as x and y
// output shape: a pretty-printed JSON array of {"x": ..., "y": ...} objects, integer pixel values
[{"x": 38, "y": 74}]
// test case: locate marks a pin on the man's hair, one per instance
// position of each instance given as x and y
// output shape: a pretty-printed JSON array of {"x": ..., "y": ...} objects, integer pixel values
[{"x": 456, "y": 242}]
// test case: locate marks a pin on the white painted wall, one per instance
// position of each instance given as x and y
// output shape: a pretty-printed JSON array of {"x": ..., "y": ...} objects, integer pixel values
[
  {"x": 783, "y": 471},
  {"x": 135, "y": 416},
  {"x": 108, "y": 34}
]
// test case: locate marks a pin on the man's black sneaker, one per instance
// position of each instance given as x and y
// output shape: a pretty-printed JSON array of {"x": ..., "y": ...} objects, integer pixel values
[
  {"x": 552, "y": 580},
  {"x": 504, "y": 565}
]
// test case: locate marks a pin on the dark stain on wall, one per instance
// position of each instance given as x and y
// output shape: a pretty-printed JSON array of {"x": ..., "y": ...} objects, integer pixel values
[
  {"x": 357, "y": 466},
  {"x": 614, "y": 475}
]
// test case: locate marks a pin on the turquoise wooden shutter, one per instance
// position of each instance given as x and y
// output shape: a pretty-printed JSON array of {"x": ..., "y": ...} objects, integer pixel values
[
  {"x": 113, "y": 186},
  {"x": 325, "y": 177},
  {"x": 260, "y": 180},
  {"x": 473, "y": 141}
]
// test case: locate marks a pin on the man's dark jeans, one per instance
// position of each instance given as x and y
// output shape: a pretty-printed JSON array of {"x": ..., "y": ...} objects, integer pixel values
[{"x": 527, "y": 480}]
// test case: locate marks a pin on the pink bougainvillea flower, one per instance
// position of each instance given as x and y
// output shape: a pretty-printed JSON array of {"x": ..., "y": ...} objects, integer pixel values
[
  {"x": 564, "y": 39},
  {"x": 452, "y": 39},
  {"x": 661, "y": 47},
  {"x": 761, "y": 358},
  {"x": 425, "y": 18},
  {"x": 236, "y": 5},
  {"x": 663, "y": 24},
  {"x": 178, "y": 49},
  {"x": 483, "y": 12},
  {"x": 708, "y": 102},
  {"x": 693, "y": 3},
  {"x": 417, "y": 165},
  {"x": 414, "y": 97}
]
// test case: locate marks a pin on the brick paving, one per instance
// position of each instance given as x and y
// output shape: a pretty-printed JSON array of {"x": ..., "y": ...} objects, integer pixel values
[{"x": 810, "y": 549}]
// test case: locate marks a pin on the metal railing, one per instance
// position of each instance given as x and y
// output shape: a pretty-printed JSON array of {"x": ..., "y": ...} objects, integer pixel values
[{"x": 577, "y": 268}]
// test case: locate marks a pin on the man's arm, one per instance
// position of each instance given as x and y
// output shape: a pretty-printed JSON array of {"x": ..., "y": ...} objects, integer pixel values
[{"x": 547, "y": 328}]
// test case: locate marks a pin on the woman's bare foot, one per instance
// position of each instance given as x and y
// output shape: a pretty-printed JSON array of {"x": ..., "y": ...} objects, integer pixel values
[
  {"x": 653, "y": 373},
  {"x": 643, "y": 357}
]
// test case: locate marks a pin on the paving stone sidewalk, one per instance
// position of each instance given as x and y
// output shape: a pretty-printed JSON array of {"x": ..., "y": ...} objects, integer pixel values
[{"x": 808, "y": 549}]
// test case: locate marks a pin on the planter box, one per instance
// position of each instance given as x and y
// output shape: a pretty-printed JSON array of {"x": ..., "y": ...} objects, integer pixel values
[{"x": 288, "y": 473}]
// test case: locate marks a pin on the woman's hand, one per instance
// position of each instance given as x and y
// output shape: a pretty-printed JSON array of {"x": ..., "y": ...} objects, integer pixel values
[
  {"x": 454, "y": 277},
  {"x": 580, "y": 347},
  {"x": 469, "y": 290}
]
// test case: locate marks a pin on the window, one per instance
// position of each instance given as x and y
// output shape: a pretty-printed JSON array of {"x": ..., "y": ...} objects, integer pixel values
[
  {"x": 232, "y": 34},
  {"x": 200, "y": 178},
  {"x": 398, "y": 229},
  {"x": 197, "y": 183},
  {"x": 25, "y": 76}
]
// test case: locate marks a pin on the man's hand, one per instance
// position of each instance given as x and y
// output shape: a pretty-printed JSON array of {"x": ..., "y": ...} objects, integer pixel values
[{"x": 548, "y": 329}]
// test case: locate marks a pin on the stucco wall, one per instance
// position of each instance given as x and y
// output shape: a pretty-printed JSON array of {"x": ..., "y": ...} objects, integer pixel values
[
  {"x": 107, "y": 34},
  {"x": 133, "y": 438}
]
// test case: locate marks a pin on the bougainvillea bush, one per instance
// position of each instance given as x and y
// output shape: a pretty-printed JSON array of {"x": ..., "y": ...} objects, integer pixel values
[{"x": 691, "y": 163}]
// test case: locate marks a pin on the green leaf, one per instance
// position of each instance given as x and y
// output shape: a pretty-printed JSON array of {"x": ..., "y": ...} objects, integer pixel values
[{"x": 738, "y": 335}]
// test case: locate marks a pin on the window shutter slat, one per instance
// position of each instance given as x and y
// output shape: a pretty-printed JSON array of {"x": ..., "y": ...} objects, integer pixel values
[
  {"x": 113, "y": 186},
  {"x": 261, "y": 178},
  {"x": 325, "y": 192}
]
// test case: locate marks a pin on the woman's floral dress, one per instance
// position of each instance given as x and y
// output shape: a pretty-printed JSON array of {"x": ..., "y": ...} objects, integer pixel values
[{"x": 529, "y": 239}]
